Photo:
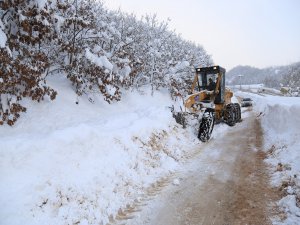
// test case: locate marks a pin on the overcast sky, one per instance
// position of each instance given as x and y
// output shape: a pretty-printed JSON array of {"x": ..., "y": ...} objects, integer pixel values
[{"x": 259, "y": 33}]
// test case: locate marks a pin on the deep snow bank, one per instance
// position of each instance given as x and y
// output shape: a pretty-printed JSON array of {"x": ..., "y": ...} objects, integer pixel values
[
  {"x": 67, "y": 163},
  {"x": 280, "y": 119}
]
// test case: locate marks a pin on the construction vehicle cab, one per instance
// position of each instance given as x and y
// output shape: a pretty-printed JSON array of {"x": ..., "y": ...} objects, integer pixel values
[
  {"x": 216, "y": 75},
  {"x": 210, "y": 101}
]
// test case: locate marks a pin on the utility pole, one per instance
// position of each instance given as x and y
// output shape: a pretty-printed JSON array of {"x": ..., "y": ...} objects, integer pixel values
[{"x": 240, "y": 76}]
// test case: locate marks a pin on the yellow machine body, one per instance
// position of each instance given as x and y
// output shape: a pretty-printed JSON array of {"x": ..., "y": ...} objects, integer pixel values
[{"x": 197, "y": 101}]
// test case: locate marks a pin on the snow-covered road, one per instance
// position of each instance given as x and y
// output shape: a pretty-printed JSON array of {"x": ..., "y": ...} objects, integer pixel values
[{"x": 226, "y": 183}]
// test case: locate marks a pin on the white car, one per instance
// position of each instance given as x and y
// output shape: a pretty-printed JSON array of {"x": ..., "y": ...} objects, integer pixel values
[{"x": 246, "y": 102}]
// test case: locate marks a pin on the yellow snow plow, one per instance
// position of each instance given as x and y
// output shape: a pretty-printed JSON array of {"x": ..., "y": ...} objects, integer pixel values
[{"x": 209, "y": 102}]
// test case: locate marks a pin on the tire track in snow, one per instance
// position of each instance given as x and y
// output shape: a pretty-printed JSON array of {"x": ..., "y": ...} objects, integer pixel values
[{"x": 226, "y": 185}]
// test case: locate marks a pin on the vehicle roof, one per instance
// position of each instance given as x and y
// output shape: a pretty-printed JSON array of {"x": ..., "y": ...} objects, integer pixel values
[{"x": 210, "y": 69}]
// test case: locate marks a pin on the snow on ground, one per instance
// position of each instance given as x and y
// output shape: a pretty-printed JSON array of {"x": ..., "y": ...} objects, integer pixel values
[
  {"x": 256, "y": 88},
  {"x": 280, "y": 119},
  {"x": 247, "y": 86},
  {"x": 68, "y": 163}
]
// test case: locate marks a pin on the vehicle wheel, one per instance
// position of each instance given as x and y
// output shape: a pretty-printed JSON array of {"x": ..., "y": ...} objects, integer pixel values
[
  {"x": 238, "y": 112},
  {"x": 206, "y": 125},
  {"x": 230, "y": 115}
]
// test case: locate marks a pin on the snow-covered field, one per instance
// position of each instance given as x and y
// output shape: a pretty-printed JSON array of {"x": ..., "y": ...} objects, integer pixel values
[
  {"x": 280, "y": 119},
  {"x": 253, "y": 87},
  {"x": 256, "y": 88},
  {"x": 68, "y": 163}
]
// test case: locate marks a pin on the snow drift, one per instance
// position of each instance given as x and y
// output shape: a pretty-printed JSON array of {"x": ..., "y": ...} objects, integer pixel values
[
  {"x": 68, "y": 163},
  {"x": 280, "y": 119}
]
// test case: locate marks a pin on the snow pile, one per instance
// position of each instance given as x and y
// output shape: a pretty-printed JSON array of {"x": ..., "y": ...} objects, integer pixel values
[
  {"x": 257, "y": 88},
  {"x": 248, "y": 86},
  {"x": 270, "y": 91},
  {"x": 68, "y": 163},
  {"x": 280, "y": 119}
]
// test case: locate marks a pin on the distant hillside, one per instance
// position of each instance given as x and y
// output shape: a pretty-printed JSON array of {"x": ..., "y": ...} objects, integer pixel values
[{"x": 271, "y": 76}]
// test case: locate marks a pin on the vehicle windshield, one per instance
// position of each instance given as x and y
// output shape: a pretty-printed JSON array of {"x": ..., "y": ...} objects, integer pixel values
[
  {"x": 206, "y": 81},
  {"x": 211, "y": 82}
]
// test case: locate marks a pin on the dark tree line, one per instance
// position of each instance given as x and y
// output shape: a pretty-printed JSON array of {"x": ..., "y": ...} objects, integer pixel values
[{"x": 273, "y": 77}]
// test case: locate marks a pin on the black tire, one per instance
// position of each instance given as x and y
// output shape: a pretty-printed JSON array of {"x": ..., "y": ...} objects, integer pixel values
[
  {"x": 206, "y": 125},
  {"x": 238, "y": 112},
  {"x": 230, "y": 115}
]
